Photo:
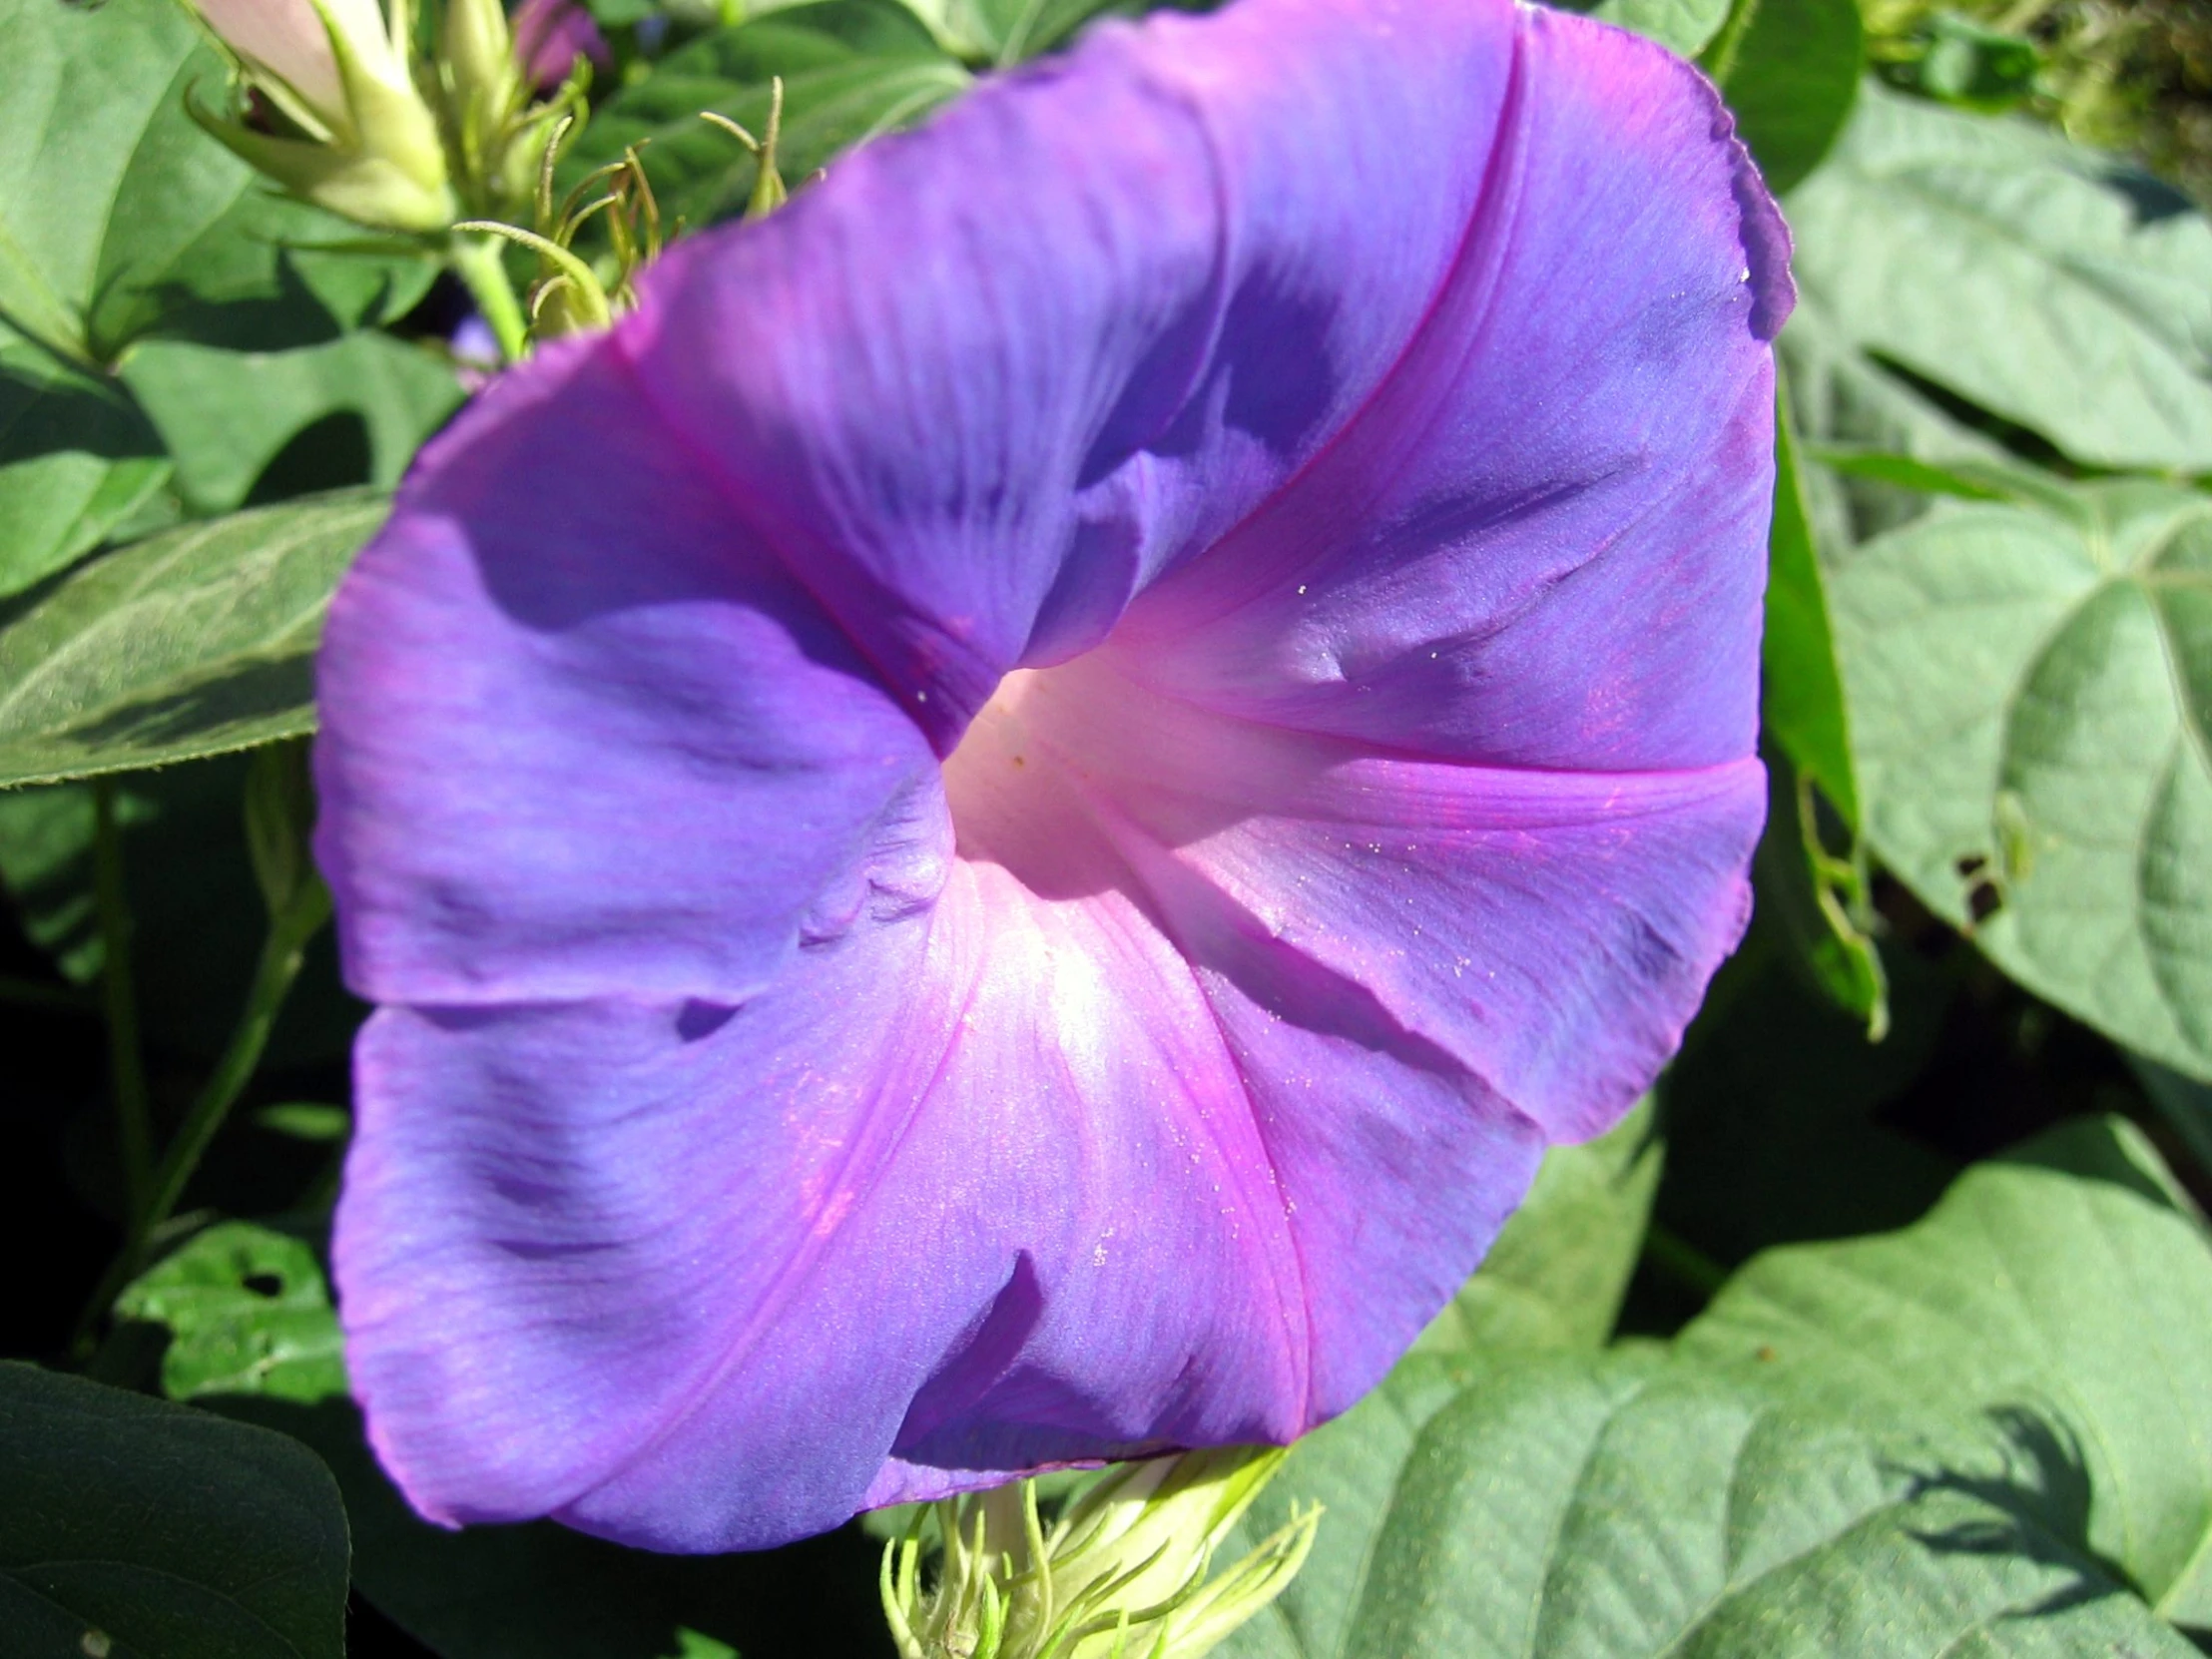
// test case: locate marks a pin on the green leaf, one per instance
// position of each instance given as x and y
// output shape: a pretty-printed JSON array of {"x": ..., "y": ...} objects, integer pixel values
[
  {"x": 999, "y": 33},
  {"x": 123, "y": 218},
  {"x": 196, "y": 917},
  {"x": 225, "y": 416},
  {"x": 1820, "y": 902},
  {"x": 1996, "y": 259},
  {"x": 851, "y": 69},
  {"x": 2031, "y": 710},
  {"x": 1790, "y": 71},
  {"x": 193, "y": 642},
  {"x": 1802, "y": 700},
  {"x": 1557, "y": 1273},
  {"x": 138, "y": 1529},
  {"x": 1966, "y": 479},
  {"x": 2062, "y": 1283},
  {"x": 45, "y": 864},
  {"x": 253, "y": 1334},
  {"x": 1682, "y": 26},
  {"x": 2185, "y": 1103},
  {"x": 1840, "y": 396},
  {"x": 247, "y": 1313},
  {"x": 1624, "y": 1505},
  {"x": 1773, "y": 1110},
  {"x": 76, "y": 457},
  {"x": 541, "y": 1591}
]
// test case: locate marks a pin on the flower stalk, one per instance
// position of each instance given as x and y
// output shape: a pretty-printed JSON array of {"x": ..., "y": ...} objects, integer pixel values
[
  {"x": 279, "y": 811},
  {"x": 126, "y": 1065}
]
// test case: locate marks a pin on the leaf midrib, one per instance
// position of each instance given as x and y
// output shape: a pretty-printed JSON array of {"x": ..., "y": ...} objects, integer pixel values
[{"x": 123, "y": 612}]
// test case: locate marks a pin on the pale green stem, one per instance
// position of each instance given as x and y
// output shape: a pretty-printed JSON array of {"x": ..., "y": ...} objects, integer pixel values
[
  {"x": 1683, "y": 1261},
  {"x": 480, "y": 264},
  {"x": 282, "y": 953},
  {"x": 126, "y": 1065},
  {"x": 591, "y": 296}
]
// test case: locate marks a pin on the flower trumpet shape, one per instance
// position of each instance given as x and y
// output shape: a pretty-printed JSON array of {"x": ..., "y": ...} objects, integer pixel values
[
  {"x": 996, "y": 832},
  {"x": 367, "y": 145}
]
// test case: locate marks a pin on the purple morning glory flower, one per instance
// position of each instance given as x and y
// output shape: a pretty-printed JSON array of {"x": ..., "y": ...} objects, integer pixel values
[{"x": 998, "y": 831}]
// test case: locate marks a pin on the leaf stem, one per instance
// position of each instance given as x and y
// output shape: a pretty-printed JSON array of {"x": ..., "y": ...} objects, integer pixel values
[
  {"x": 282, "y": 953},
  {"x": 34, "y": 993},
  {"x": 126, "y": 1065},
  {"x": 480, "y": 264},
  {"x": 1673, "y": 1255}
]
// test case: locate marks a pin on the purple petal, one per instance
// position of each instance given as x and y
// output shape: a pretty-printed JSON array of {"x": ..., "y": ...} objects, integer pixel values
[
  {"x": 1575, "y": 446},
  {"x": 820, "y": 1068},
  {"x": 1004, "y": 372},
  {"x": 1549, "y": 930},
  {"x": 584, "y": 733},
  {"x": 988, "y": 1188},
  {"x": 550, "y": 35}
]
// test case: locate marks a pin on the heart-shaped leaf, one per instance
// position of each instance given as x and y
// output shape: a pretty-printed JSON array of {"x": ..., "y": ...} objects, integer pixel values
[
  {"x": 1003, "y": 32},
  {"x": 2010, "y": 267},
  {"x": 136, "y": 1529},
  {"x": 2031, "y": 692},
  {"x": 225, "y": 416},
  {"x": 1556, "y": 1273},
  {"x": 1631, "y": 1507},
  {"x": 1790, "y": 69},
  {"x": 2061, "y": 1284},
  {"x": 122, "y": 217},
  {"x": 1682, "y": 26}
]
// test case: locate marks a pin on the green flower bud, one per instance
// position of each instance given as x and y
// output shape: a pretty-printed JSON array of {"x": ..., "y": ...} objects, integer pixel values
[
  {"x": 476, "y": 60},
  {"x": 1123, "y": 1574},
  {"x": 364, "y": 144}
]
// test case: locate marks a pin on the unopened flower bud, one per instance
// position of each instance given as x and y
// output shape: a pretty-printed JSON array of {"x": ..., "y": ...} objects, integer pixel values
[
  {"x": 476, "y": 56},
  {"x": 550, "y": 35},
  {"x": 367, "y": 145}
]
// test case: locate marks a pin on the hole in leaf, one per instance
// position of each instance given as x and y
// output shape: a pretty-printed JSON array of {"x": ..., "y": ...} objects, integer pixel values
[
  {"x": 1984, "y": 902},
  {"x": 1969, "y": 865},
  {"x": 263, "y": 1284}
]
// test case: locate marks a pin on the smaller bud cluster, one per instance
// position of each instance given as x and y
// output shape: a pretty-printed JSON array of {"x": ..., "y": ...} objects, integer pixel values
[
  {"x": 331, "y": 110},
  {"x": 572, "y": 296},
  {"x": 334, "y": 102},
  {"x": 1122, "y": 1574}
]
